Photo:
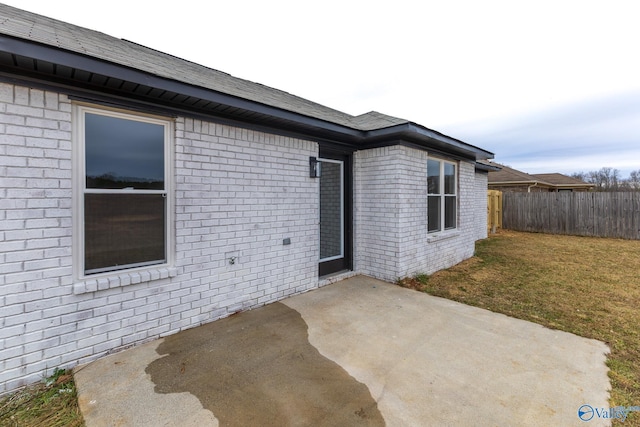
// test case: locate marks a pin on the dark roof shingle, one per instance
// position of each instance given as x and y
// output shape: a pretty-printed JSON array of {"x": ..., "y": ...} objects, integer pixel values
[
  {"x": 507, "y": 174},
  {"x": 83, "y": 61},
  {"x": 48, "y": 31},
  {"x": 561, "y": 180}
]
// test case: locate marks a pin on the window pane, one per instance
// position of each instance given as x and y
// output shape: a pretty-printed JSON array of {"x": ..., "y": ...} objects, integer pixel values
[
  {"x": 449, "y": 178},
  {"x": 123, "y": 153},
  {"x": 123, "y": 229},
  {"x": 433, "y": 176},
  {"x": 449, "y": 212},
  {"x": 331, "y": 235},
  {"x": 433, "y": 213}
]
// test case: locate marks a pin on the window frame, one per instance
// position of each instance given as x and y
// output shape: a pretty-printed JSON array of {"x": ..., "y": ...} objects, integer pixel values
[
  {"x": 79, "y": 111},
  {"x": 342, "y": 213},
  {"x": 443, "y": 195}
]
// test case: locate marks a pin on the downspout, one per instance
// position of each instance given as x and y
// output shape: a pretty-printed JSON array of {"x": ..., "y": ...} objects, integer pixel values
[{"x": 535, "y": 184}]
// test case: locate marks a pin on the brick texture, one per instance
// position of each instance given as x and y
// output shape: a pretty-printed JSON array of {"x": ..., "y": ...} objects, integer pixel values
[
  {"x": 377, "y": 238},
  {"x": 391, "y": 215},
  {"x": 480, "y": 208},
  {"x": 238, "y": 193},
  {"x": 35, "y": 232}
]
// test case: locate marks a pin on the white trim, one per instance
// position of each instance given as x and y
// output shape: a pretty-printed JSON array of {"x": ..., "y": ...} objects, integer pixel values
[
  {"x": 441, "y": 194},
  {"x": 123, "y": 278},
  {"x": 122, "y": 191},
  {"x": 123, "y": 267},
  {"x": 332, "y": 258},
  {"x": 448, "y": 234},
  {"x": 79, "y": 189},
  {"x": 341, "y": 255},
  {"x": 335, "y": 277}
]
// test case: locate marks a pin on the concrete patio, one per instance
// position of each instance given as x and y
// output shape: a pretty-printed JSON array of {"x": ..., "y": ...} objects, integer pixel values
[{"x": 357, "y": 352}]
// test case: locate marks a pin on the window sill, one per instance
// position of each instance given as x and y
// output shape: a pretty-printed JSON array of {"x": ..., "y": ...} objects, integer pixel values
[
  {"x": 449, "y": 234},
  {"x": 119, "y": 279}
]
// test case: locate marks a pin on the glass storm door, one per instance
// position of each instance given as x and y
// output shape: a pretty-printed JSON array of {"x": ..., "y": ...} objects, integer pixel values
[{"x": 334, "y": 218}]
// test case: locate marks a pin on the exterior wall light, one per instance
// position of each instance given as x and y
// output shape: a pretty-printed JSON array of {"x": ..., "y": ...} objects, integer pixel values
[{"x": 314, "y": 167}]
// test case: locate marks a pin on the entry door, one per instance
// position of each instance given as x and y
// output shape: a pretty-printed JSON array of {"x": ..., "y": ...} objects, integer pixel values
[{"x": 335, "y": 215}]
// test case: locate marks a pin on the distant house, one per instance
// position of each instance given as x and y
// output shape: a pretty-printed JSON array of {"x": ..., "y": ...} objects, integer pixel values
[
  {"x": 562, "y": 182},
  {"x": 143, "y": 194},
  {"x": 509, "y": 179}
]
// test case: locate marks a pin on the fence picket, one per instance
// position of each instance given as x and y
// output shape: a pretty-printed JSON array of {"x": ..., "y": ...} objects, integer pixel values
[{"x": 580, "y": 213}]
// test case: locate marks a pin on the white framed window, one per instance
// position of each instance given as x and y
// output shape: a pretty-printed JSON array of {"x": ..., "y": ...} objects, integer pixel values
[
  {"x": 442, "y": 195},
  {"x": 122, "y": 189}
]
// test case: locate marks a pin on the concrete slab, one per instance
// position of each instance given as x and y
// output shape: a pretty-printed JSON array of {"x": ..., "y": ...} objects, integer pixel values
[
  {"x": 357, "y": 352},
  {"x": 116, "y": 391}
]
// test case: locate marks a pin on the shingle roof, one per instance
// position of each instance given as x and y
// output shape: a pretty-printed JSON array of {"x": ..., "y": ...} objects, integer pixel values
[
  {"x": 507, "y": 174},
  {"x": 48, "y": 31},
  {"x": 374, "y": 120},
  {"x": 559, "y": 179},
  {"x": 94, "y": 66}
]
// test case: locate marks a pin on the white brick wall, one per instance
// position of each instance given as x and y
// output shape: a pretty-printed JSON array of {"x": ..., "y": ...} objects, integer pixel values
[
  {"x": 237, "y": 193},
  {"x": 412, "y": 212},
  {"x": 240, "y": 193},
  {"x": 35, "y": 232},
  {"x": 482, "y": 180},
  {"x": 376, "y": 237},
  {"x": 391, "y": 213}
]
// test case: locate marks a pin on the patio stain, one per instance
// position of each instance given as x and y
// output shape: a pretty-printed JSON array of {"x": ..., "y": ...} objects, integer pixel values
[{"x": 258, "y": 368}]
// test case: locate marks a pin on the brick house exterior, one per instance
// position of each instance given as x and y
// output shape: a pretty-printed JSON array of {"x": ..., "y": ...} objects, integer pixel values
[{"x": 241, "y": 214}]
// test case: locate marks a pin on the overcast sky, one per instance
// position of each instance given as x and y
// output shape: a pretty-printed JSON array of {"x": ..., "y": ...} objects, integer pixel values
[{"x": 547, "y": 85}]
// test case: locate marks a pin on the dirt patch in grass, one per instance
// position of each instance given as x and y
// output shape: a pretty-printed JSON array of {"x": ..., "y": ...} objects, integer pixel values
[
  {"x": 52, "y": 403},
  {"x": 583, "y": 285}
]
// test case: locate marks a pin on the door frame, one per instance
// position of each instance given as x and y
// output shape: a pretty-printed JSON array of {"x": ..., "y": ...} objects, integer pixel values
[{"x": 346, "y": 262}]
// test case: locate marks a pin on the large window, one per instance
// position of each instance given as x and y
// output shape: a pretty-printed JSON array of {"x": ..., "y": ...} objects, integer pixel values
[
  {"x": 123, "y": 180},
  {"x": 442, "y": 195}
]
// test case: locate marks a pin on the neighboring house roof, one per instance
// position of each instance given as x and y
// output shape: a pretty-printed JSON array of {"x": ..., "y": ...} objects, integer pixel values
[
  {"x": 507, "y": 176},
  {"x": 560, "y": 180},
  {"x": 76, "y": 59}
]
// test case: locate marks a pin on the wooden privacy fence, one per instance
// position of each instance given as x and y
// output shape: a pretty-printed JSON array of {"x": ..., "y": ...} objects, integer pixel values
[
  {"x": 494, "y": 210},
  {"x": 580, "y": 213}
]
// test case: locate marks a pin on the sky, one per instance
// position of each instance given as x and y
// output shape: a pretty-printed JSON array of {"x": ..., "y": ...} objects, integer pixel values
[{"x": 546, "y": 85}]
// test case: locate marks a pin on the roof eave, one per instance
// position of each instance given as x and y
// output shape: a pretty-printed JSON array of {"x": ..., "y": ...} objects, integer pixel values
[
  {"x": 520, "y": 183},
  {"x": 487, "y": 168},
  {"x": 314, "y": 128},
  {"x": 574, "y": 185},
  {"x": 427, "y": 138},
  {"x": 74, "y": 60}
]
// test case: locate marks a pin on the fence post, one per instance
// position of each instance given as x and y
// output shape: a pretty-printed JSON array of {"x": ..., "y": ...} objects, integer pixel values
[{"x": 494, "y": 210}]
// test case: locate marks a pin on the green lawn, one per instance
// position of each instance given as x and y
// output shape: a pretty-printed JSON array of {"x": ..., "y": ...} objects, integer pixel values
[{"x": 584, "y": 285}]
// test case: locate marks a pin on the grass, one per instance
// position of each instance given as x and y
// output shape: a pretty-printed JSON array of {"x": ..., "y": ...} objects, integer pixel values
[
  {"x": 52, "y": 403},
  {"x": 583, "y": 285}
]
